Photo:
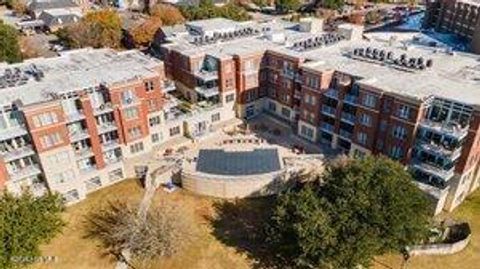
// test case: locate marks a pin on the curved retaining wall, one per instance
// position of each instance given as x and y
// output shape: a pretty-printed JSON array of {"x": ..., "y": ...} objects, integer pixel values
[
  {"x": 233, "y": 186},
  {"x": 440, "y": 249}
]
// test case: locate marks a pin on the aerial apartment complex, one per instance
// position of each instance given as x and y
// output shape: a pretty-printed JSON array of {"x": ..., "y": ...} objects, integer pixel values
[
  {"x": 71, "y": 123},
  {"x": 461, "y": 17},
  {"x": 417, "y": 104}
]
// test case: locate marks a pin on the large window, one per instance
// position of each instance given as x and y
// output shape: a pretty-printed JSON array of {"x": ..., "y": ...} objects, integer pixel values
[
  {"x": 131, "y": 113},
  {"x": 369, "y": 100},
  {"x": 137, "y": 147},
  {"x": 45, "y": 119},
  {"x": 174, "y": 130},
  {"x": 51, "y": 140}
]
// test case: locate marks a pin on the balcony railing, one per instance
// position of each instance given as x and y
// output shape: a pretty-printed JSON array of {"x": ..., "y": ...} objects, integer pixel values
[
  {"x": 289, "y": 73},
  {"x": 18, "y": 153},
  {"x": 207, "y": 75},
  {"x": 350, "y": 99},
  {"x": 446, "y": 129},
  {"x": 78, "y": 135},
  {"x": 347, "y": 117},
  {"x": 87, "y": 169},
  {"x": 207, "y": 92},
  {"x": 327, "y": 127},
  {"x": 328, "y": 110},
  {"x": 345, "y": 134},
  {"x": 103, "y": 108},
  {"x": 439, "y": 150},
  {"x": 332, "y": 93},
  {"x": 109, "y": 145},
  {"x": 21, "y": 173},
  {"x": 12, "y": 132},
  {"x": 75, "y": 116},
  {"x": 84, "y": 153},
  {"x": 445, "y": 174},
  {"x": 168, "y": 86},
  {"x": 106, "y": 127}
]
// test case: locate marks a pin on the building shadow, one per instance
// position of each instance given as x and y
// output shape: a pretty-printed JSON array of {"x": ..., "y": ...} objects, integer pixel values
[{"x": 241, "y": 224}]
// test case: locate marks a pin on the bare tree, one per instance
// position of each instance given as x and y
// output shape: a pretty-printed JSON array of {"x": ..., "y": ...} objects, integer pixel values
[{"x": 165, "y": 231}]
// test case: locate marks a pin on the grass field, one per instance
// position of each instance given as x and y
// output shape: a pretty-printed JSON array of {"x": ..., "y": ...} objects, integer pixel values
[{"x": 226, "y": 233}]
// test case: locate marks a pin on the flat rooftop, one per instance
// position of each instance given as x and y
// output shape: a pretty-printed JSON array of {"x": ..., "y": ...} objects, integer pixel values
[
  {"x": 40, "y": 79},
  {"x": 453, "y": 75},
  {"x": 236, "y": 163}
]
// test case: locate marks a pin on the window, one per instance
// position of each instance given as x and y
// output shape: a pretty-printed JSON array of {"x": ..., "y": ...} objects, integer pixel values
[
  {"x": 399, "y": 132},
  {"x": 63, "y": 177},
  {"x": 93, "y": 183},
  {"x": 286, "y": 112},
  {"x": 229, "y": 83},
  {"x": 131, "y": 113},
  {"x": 307, "y": 132},
  {"x": 369, "y": 100},
  {"x": 149, "y": 86},
  {"x": 365, "y": 120},
  {"x": 272, "y": 106},
  {"x": 362, "y": 138},
  {"x": 127, "y": 97},
  {"x": 153, "y": 121},
  {"x": 396, "y": 152},
  {"x": 383, "y": 126},
  {"x": 51, "y": 140},
  {"x": 71, "y": 196},
  {"x": 403, "y": 112},
  {"x": 60, "y": 157},
  {"x": 115, "y": 175},
  {"x": 137, "y": 147},
  {"x": 134, "y": 132},
  {"x": 215, "y": 117},
  {"x": 174, "y": 130},
  {"x": 310, "y": 99},
  {"x": 229, "y": 98},
  {"x": 156, "y": 137},
  {"x": 312, "y": 82},
  {"x": 45, "y": 119}
]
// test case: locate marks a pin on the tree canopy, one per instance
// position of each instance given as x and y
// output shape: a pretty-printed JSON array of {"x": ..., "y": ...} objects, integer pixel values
[
  {"x": 96, "y": 29},
  {"x": 206, "y": 10},
  {"x": 287, "y": 5},
  {"x": 356, "y": 210},
  {"x": 9, "y": 47},
  {"x": 25, "y": 223}
]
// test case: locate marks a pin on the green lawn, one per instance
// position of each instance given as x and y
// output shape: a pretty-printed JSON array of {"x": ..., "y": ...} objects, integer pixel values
[{"x": 226, "y": 233}]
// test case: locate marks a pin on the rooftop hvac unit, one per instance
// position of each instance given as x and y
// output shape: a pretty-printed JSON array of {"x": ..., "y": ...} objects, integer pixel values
[{"x": 389, "y": 55}]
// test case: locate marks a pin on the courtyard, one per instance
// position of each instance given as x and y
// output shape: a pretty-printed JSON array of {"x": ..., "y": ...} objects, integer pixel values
[{"x": 229, "y": 229}]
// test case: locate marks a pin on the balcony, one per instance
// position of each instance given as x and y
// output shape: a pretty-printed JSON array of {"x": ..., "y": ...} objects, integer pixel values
[
  {"x": 102, "y": 109},
  {"x": 12, "y": 132},
  {"x": 207, "y": 92},
  {"x": 348, "y": 118},
  {"x": 327, "y": 127},
  {"x": 109, "y": 145},
  {"x": 106, "y": 127},
  {"x": 75, "y": 116},
  {"x": 452, "y": 130},
  {"x": 435, "y": 149},
  {"x": 328, "y": 110},
  {"x": 87, "y": 169},
  {"x": 18, "y": 153},
  {"x": 168, "y": 86},
  {"x": 21, "y": 173},
  {"x": 433, "y": 170},
  {"x": 345, "y": 134},
  {"x": 207, "y": 75},
  {"x": 350, "y": 99},
  {"x": 78, "y": 135},
  {"x": 84, "y": 153},
  {"x": 289, "y": 73},
  {"x": 332, "y": 93}
]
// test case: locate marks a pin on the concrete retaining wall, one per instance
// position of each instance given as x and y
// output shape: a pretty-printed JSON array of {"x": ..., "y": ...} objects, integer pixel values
[
  {"x": 233, "y": 187},
  {"x": 440, "y": 249}
]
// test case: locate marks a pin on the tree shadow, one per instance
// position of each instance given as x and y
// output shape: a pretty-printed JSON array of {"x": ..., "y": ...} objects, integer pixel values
[{"x": 241, "y": 224}]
